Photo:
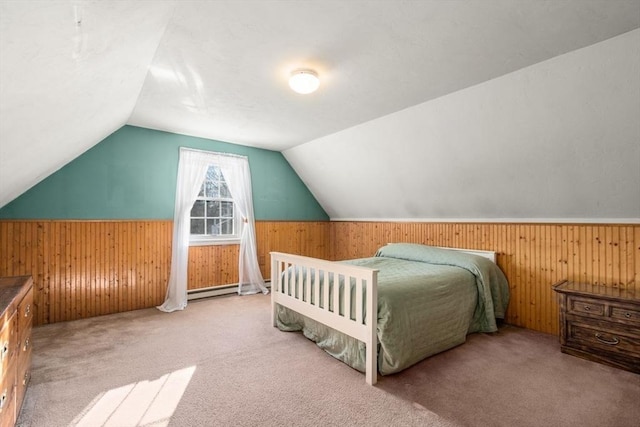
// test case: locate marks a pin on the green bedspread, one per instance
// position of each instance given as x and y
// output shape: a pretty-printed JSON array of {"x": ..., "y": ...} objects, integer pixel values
[{"x": 429, "y": 299}]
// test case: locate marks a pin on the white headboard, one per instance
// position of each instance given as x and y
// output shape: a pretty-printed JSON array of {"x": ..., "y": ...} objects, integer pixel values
[{"x": 491, "y": 255}]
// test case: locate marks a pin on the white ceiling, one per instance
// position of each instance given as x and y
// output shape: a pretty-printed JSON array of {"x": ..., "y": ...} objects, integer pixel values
[{"x": 218, "y": 69}]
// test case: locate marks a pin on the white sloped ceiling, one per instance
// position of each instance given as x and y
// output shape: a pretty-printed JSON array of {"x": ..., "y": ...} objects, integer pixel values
[
  {"x": 218, "y": 69},
  {"x": 64, "y": 85},
  {"x": 556, "y": 141}
]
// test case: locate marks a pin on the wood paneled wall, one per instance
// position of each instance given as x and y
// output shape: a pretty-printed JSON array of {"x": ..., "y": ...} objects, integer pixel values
[
  {"x": 212, "y": 265},
  {"x": 89, "y": 268},
  {"x": 312, "y": 239},
  {"x": 218, "y": 265},
  {"x": 532, "y": 256}
]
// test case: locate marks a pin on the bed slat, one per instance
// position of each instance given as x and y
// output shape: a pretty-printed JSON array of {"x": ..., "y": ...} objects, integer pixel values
[
  {"x": 307, "y": 289},
  {"x": 336, "y": 293},
  {"x": 359, "y": 298},
  {"x": 347, "y": 298}
]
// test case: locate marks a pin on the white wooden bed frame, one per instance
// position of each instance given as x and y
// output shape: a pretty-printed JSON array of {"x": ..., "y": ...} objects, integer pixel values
[{"x": 287, "y": 291}]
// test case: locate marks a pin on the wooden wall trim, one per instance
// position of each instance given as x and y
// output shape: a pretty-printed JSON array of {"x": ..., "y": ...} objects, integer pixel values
[
  {"x": 509, "y": 221},
  {"x": 218, "y": 265},
  {"x": 532, "y": 256},
  {"x": 85, "y": 268},
  {"x": 89, "y": 268}
]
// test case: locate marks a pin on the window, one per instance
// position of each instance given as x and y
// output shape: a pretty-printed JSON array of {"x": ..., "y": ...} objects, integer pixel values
[{"x": 213, "y": 216}]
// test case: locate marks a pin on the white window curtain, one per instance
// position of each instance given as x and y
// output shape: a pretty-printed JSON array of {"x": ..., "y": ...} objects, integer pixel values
[
  {"x": 192, "y": 168},
  {"x": 235, "y": 170}
]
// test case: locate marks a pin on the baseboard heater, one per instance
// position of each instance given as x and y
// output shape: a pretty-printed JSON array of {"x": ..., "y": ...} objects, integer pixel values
[{"x": 216, "y": 291}]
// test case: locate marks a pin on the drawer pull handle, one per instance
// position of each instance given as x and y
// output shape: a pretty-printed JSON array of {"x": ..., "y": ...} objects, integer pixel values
[
  {"x": 27, "y": 310},
  {"x": 587, "y": 308},
  {"x": 26, "y": 345},
  {"x": 614, "y": 341},
  {"x": 627, "y": 315},
  {"x": 26, "y": 378},
  {"x": 3, "y": 399},
  {"x": 4, "y": 350}
]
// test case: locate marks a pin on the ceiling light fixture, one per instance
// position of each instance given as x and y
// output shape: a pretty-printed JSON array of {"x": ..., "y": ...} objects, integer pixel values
[{"x": 304, "y": 81}]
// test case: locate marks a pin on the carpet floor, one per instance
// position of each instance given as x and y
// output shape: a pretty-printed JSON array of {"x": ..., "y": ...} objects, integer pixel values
[{"x": 221, "y": 363}]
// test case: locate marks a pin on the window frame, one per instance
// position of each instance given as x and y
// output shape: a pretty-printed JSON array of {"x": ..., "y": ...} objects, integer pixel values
[{"x": 211, "y": 240}]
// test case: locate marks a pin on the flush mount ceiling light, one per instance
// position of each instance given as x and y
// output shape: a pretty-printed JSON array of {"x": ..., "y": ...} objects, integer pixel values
[{"x": 304, "y": 81}]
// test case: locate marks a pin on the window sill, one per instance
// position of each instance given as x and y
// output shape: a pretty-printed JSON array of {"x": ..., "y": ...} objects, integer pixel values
[{"x": 214, "y": 242}]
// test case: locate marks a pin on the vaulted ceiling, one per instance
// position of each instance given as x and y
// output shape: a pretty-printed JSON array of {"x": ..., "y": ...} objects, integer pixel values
[{"x": 73, "y": 72}]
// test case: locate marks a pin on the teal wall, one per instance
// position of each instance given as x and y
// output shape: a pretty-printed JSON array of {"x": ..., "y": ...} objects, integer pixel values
[{"x": 132, "y": 175}]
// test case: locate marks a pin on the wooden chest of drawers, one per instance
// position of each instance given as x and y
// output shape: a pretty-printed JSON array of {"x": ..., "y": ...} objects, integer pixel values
[
  {"x": 16, "y": 303},
  {"x": 600, "y": 323}
]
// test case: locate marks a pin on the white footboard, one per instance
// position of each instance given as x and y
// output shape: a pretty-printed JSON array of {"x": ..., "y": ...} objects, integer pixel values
[{"x": 332, "y": 307}]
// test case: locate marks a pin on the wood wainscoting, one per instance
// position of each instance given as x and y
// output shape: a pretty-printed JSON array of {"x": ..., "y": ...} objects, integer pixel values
[
  {"x": 218, "y": 264},
  {"x": 89, "y": 268},
  {"x": 532, "y": 256}
]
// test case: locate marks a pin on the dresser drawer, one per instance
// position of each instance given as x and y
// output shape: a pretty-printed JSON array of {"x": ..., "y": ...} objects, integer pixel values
[
  {"x": 582, "y": 305},
  {"x": 8, "y": 340},
  {"x": 7, "y": 395},
  {"x": 625, "y": 313},
  {"x": 607, "y": 337},
  {"x": 23, "y": 376},
  {"x": 8, "y": 412},
  {"x": 25, "y": 312}
]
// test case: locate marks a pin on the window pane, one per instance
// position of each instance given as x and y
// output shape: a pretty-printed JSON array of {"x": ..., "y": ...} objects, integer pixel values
[
  {"x": 211, "y": 173},
  {"x": 226, "y": 226},
  {"x": 212, "y": 188},
  {"x": 197, "y": 226},
  {"x": 197, "y": 209},
  {"x": 226, "y": 209},
  {"x": 213, "y": 209},
  {"x": 215, "y": 173},
  {"x": 201, "y": 193},
  {"x": 210, "y": 182},
  {"x": 224, "y": 191},
  {"x": 213, "y": 227}
]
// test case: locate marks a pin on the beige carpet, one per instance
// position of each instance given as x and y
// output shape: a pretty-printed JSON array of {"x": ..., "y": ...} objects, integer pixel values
[{"x": 220, "y": 363}]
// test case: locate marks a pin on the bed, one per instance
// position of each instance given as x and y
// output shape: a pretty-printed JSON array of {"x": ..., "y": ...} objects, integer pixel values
[{"x": 427, "y": 300}]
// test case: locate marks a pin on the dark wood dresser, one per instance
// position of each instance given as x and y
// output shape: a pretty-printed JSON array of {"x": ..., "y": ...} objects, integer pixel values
[
  {"x": 16, "y": 303},
  {"x": 600, "y": 323}
]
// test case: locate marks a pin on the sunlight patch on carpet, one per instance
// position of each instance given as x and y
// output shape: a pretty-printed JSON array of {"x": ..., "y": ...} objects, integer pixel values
[{"x": 144, "y": 403}]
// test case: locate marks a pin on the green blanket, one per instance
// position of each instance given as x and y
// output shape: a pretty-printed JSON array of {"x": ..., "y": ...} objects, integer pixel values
[{"x": 429, "y": 299}]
